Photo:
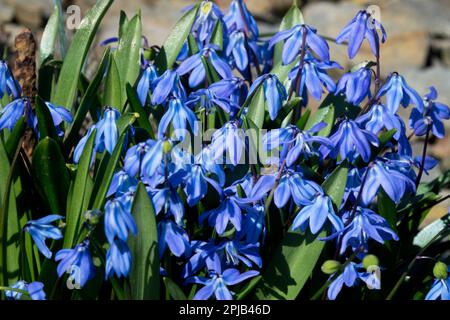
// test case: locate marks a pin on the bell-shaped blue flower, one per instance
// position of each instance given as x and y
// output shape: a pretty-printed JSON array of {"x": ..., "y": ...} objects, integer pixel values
[
  {"x": 118, "y": 259},
  {"x": 168, "y": 200},
  {"x": 243, "y": 51},
  {"x": 118, "y": 220},
  {"x": 207, "y": 17},
  {"x": 173, "y": 236},
  {"x": 230, "y": 140},
  {"x": 236, "y": 252},
  {"x": 121, "y": 183},
  {"x": 166, "y": 86},
  {"x": 207, "y": 99},
  {"x": 153, "y": 158},
  {"x": 274, "y": 93},
  {"x": 253, "y": 229},
  {"x": 239, "y": 18},
  {"x": 355, "y": 85},
  {"x": 8, "y": 84},
  {"x": 134, "y": 157},
  {"x": 107, "y": 132},
  {"x": 77, "y": 262},
  {"x": 363, "y": 26},
  {"x": 349, "y": 277},
  {"x": 294, "y": 41},
  {"x": 145, "y": 83},
  {"x": 233, "y": 89},
  {"x": 178, "y": 114},
  {"x": 293, "y": 185},
  {"x": 379, "y": 118},
  {"x": 59, "y": 114},
  {"x": 42, "y": 229},
  {"x": 12, "y": 112},
  {"x": 440, "y": 290},
  {"x": 35, "y": 290}
]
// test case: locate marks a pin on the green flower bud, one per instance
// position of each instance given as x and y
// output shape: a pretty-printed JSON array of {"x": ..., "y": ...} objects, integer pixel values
[
  {"x": 440, "y": 270},
  {"x": 370, "y": 260},
  {"x": 167, "y": 146},
  {"x": 330, "y": 266},
  {"x": 92, "y": 217}
]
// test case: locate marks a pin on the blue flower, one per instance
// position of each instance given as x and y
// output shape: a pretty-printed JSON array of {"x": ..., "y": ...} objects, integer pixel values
[
  {"x": 77, "y": 262},
  {"x": 118, "y": 259},
  {"x": 233, "y": 89},
  {"x": 197, "y": 184},
  {"x": 229, "y": 139},
  {"x": 379, "y": 118},
  {"x": 361, "y": 225},
  {"x": 316, "y": 213},
  {"x": 355, "y": 85},
  {"x": 118, "y": 220},
  {"x": 243, "y": 51},
  {"x": 207, "y": 17},
  {"x": 398, "y": 92},
  {"x": 429, "y": 115},
  {"x": 145, "y": 83},
  {"x": 363, "y": 25},
  {"x": 12, "y": 112},
  {"x": 352, "y": 186},
  {"x": 253, "y": 228},
  {"x": 349, "y": 277},
  {"x": 389, "y": 176},
  {"x": 167, "y": 199},
  {"x": 209, "y": 100},
  {"x": 293, "y": 185},
  {"x": 153, "y": 158},
  {"x": 42, "y": 229},
  {"x": 177, "y": 114},
  {"x": 166, "y": 86},
  {"x": 313, "y": 78},
  {"x": 59, "y": 114},
  {"x": 34, "y": 289},
  {"x": 134, "y": 157},
  {"x": 196, "y": 67},
  {"x": 218, "y": 281},
  {"x": 203, "y": 254},
  {"x": 173, "y": 236},
  {"x": 294, "y": 41},
  {"x": 236, "y": 252},
  {"x": 439, "y": 290},
  {"x": 107, "y": 132},
  {"x": 8, "y": 84},
  {"x": 274, "y": 92},
  {"x": 239, "y": 18},
  {"x": 350, "y": 141}
]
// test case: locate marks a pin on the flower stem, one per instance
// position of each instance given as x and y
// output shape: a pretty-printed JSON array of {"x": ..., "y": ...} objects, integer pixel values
[
  {"x": 14, "y": 290},
  {"x": 424, "y": 153}
]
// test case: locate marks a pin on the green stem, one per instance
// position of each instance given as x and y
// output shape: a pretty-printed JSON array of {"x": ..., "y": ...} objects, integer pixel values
[{"x": 14, "y": 290}]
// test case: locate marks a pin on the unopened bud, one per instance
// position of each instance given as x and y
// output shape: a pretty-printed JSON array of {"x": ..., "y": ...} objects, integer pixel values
[
  {"x": 330, "y": 266},
  {"x": 370, "y": 260},
  {"x": 440, "y": 270}
]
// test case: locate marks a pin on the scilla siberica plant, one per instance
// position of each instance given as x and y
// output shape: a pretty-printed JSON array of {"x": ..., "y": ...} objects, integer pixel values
[{"x": 207, "y": 175}]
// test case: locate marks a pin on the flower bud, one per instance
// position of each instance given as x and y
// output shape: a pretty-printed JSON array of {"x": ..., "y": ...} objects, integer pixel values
[
  {"x": 440, "y": 270},
  {"x": 92, "y": 217},
  {"x": 370, "y": 260},
  {"x": 167, "y": 146},
  {"x": 330, "y": 266}
]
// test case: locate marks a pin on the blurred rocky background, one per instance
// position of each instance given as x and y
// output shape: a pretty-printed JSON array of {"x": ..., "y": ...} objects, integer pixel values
[{"x": 418, "y": 43}]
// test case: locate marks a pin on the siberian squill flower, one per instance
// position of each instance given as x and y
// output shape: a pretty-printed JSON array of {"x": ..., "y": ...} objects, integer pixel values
[
  {"x": 167, "y": 200},
  {"x": 233, "y": 89},
  {"x": 355, "y": 85},
  {"x": 59, "y": 114},
  {"x": 207, "y": 17},
  {"x": 118, "y": 220},
  {"x": 121, "y": 183},
  {"x": 173, "y": 236},
  {"x": 196, "y": 67},
  {"x": 35, "y": 290},
  {"x": 236, "y": 252},
  {"x": 239, "y": 18},
  {"x": 217, "y": 281},
  {"x": 349, "y": 277},
  {"x": 379, "y": 118},
  {"x": 166, "y": 86},
  {"x": 398, "y": 92},
  {"x": 315, "y": 214},
  {"x": 118, "y": 259},
  {"x": 292, "y": 184},
  {"x": 153, "y": 158},
  {"x": 209, "y": 100},
  {"x": 12, "y": 112},
  {"x": 363, "y": 26},
  {"x": 440, "y": 290},
  {"x": 77, "y": 262},
  {"x": 430, "y": 115},
  {"x": 134, "y": 157},
  {"x": 42, "y": 229},
  {"x": 294, "y": 41},
  {"x": 107, "y": 132},
  {"x": 243, "y": 51},
  {"x": 229, "y": 139},
  {"x": 145, "y": 83},
  {"x": 350, "y": 141},
  {"x": 178, "y": 114},
  {"x": 253, "y": 228},
  {"x": 274, "y": 92},
  {"x": 8, "y": 84}
]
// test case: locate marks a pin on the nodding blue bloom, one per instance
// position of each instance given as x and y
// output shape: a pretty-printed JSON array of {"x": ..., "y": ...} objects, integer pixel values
[
  {"x": 42, "y": 229},
  {"x": 313, "y": 78},
  {"x": 294, "y": 41},
  {"x": 168, "y": 200},
  {"x": 236, "y": 252},
  {"x": 173, "y": 236},
  {"x": 80, "y": 146},
  {"x": 196, "y": 67},
  {"x": 233, "y": 89},
  {"x": 197, "y": 184},
  {"x": 207, "y": 17},
  {"x": 355, "y": 85},
  {"x": 352, "y": 186},
  {"x": 253, "y": 228},
  {"x": 316, "y": 213},
  {"x": 390, "y": 176},
  {"x": 77, "y": 262},
  {"x": 59, "y": 114},
  {"x": 230, "y": 140},
  {"x": 361, "y": 225},
  {"x": 34, "y": 289},
  {"x": 203, "y": 254},
  {"x": 217, "y": 282},
  {"x": 209, "y": 100},
  {"x": 398, "y": 92},
  {"x": 166, "y": 86},
  {"x": 274, "y": 92},
  {"x": 349, "y": 277},
  {"x": 239, "y": 18},
  {"x": 295, "y": 142},
  {"x": 363, "y": 25},
  {"x": 379, "y": 118},
  {"x": 177, "y": 114},
  {"x": 243, "y": 50},
  {"x": 118, "y": 259},
  {"x": 293, "y": 185},
  {"x": 431, "y": 114},
  {"x": 145, "y": 84},
  {"x": 12, "y": 112},
  {"x": 428, "y": 164},
  {"x": 107, "y": 132},
  {"x": 350, "y": 141},
  {"x": 118, "y": 220},
  {"x": 153, "y": 158},
  {"x": 121, "y": 183},
  {"x": 134, "y": 157},
  {"x": 8, "y": 84},
  {"x": 440, "y": 290}
]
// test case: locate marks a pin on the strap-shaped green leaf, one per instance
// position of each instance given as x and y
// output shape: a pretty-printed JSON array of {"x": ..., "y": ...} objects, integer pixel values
[
  {"x": 136, "y": 107},
  {"x": 113, "y": 90}
]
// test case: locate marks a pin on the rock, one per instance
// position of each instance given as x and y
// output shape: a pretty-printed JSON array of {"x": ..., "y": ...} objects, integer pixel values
[
  {"x": 441, "y": 48},
  {"x": 6, "y": 13}
]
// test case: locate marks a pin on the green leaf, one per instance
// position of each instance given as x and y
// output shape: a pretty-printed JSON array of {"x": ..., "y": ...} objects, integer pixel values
[
  {"x": 217, "y": 35},
  {"x": 45, "y": 120},
  {"x": 144, "y": 275},
  {"x": 136, "y": 107},
  {"x": 325, "y": 113},
  {"x": 301, "y": 123},
  {"x": 127, "y": 56},
  {"x": 102, "y": 182},
  {"x": 49, "y": 36},
  {"x": 427, "y": 234},
  {"x": 15, "y": 138},
  {"x": 174, "y": 290},
  {"x": 248, "y": 288},
  {"x": 50, "y": 175},
  {"x": 175, "y": 41},
  {"x": 76, "y": 55},
  {"x": 113, "y": 90},
  {"x": 79, "y": 193},
  {"x": 256, "y": 108},
  {"x": 295, "y": 258},
  {"x": 387, "y": 209},
  {"x": 87, "y": 101}
]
